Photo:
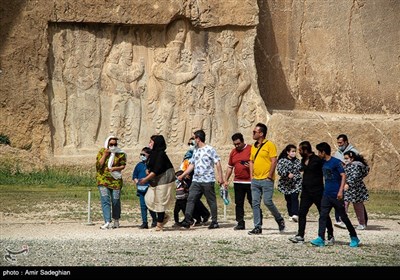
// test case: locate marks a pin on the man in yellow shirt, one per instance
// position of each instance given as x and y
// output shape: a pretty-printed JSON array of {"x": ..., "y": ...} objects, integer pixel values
[{"x": 263, "y": 159}]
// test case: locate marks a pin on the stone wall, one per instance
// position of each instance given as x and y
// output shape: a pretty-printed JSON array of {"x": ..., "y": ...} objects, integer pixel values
[
  {"x": 75, "y": 71},
  {"x": 331, "y": 56}
]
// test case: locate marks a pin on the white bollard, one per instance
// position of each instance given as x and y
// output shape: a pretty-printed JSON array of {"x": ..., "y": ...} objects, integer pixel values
[
  {"x": 89, "y": 221},
  {"x": 224, "y": 212}
]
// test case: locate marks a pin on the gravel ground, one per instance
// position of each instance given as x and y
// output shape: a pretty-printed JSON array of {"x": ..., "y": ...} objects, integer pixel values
[{"x": 71, "y": 243}]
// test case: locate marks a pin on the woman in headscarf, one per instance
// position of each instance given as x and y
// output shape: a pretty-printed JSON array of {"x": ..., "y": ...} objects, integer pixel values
[
  {"x": 110, "y": 161},
  {"x": 161, "y": 176}
]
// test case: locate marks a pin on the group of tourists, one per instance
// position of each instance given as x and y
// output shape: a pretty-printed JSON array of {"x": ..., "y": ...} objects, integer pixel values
[{"x": 324, "y": 180}]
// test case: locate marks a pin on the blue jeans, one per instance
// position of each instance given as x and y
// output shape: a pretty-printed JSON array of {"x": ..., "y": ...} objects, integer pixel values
[
  {"x": 110, "y": 200},
  {"x": 143, "y": 208},
  {"x": 264, "y": 188}
]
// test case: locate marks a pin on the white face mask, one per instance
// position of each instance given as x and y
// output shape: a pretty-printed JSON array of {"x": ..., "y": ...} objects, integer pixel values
[
  {"x": 191, "y": 147},
  {"x": 113, "y": 149},
  {"x": 143, "y": 158},
  {"x": 292, "y": 154},
  {"x": 346, "y": 161}
]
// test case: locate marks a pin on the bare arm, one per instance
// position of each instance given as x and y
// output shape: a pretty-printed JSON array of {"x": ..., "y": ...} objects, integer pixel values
[
  {"x": 103, "y": 158},
  {"x": 273, "y": 167},
  {"x": 251, "y": 164},
  {"x": 117, "y": 168},
  {"x": 186, "y": 172},
  {"x": 220, "y": 174},
  {"x": 149, "y": 176},
  {"x": 342, "y": 183},
  {"x": 228, "y": 174}
]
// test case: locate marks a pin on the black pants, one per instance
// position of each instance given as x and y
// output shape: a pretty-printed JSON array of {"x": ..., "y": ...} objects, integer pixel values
[
  {"x": 180, "y": 205},
  {"x": 327, "y": 203},
  {"x": 241, "y": 191},
  {"x": 292, "y": 204},
  {"x": 200, "y": 212},
  {"x": 160, "y": 217},
  {"x": 306, "y": 201}
]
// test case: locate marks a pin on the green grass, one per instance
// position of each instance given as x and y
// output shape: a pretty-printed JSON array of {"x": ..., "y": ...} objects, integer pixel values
[
  {"x": 63, "y": 189},
  {"x": 66, "y": 190},
  {"x": 48, "y": 177}
]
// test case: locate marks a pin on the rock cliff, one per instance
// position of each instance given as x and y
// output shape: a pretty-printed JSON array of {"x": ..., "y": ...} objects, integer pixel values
[{"x": 73, "y": 72}]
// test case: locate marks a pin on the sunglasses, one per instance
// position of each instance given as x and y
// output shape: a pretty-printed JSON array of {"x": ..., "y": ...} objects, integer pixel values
[{"x": 113, "y": 145}]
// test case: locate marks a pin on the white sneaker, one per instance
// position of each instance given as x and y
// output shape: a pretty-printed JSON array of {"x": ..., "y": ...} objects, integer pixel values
[
  {"x": 330, "y": 242},
  {"x": 361, "y": 227},
  {"x": 116, "y": 224},
  {"x": 295, "y": 218},
  {"x": 106, "y": 226},
  {"x": 340, "y": 225}
]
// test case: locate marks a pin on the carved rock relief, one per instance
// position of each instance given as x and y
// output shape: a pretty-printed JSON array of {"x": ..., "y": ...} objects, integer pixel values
[
  {"x": 125, "y": 102},
  {"x": 134, "y": 82}
]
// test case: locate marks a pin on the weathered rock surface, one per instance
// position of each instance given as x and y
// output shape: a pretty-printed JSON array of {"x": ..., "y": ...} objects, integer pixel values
[{"x": 74, "y": 72}]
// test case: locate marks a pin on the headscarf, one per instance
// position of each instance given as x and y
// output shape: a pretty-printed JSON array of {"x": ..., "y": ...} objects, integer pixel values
[
  {"x": 158, "y": 160},
  {"x": 116, "y": 174},
  {"x": 159, "y": 143},
  {"x": 188, "y": 155}
]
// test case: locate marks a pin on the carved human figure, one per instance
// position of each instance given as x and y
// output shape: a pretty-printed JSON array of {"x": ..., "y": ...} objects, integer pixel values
[
  {"x": 58, "y": 92},
  {"x": 168, "y": 77},
  {"x": 82, "y": 74},
  {"x": 187, "y": 97},
  {"x": 200, "y": 104},
  {"x": 231, "y": 85},
  {"x": 126, "y": 99}
]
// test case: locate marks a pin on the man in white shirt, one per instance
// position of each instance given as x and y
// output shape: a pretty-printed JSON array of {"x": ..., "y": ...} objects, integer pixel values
[{"x": 203, "y": 161}]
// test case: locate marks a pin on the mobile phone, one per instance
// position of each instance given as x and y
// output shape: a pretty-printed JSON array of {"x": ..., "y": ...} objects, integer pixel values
[{"x": 243, "y": 162}]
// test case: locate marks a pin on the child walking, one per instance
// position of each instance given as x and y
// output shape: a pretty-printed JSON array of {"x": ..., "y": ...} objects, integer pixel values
[
  {"x": 182, "y": 193},
  {"x": 139, "y": 172}
]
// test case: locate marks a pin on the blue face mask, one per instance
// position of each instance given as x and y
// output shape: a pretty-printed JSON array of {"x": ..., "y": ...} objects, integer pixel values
[{"x": 143, "y": 158}]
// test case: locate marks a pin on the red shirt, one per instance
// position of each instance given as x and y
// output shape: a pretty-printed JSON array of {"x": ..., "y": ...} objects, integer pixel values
[{"x": 236, "y": 160}]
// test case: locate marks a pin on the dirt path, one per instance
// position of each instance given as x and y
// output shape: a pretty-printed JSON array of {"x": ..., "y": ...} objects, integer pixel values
[{"x": 72, "y": 243}]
